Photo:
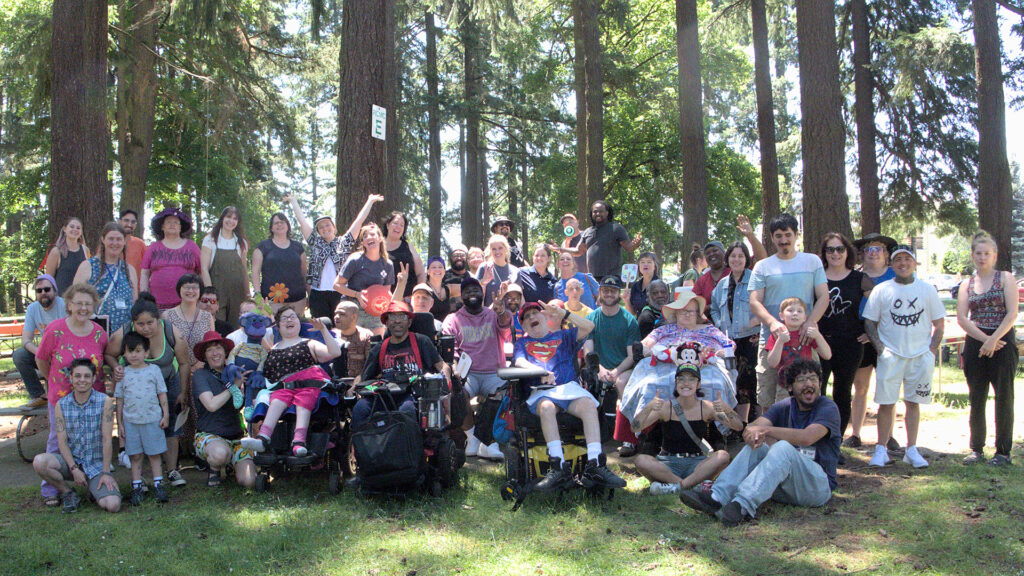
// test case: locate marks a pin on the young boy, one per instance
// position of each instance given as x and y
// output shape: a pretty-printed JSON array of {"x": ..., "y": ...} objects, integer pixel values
[
  {"x": 142, "y": 413},
  {"x": 794, "y": 315}
]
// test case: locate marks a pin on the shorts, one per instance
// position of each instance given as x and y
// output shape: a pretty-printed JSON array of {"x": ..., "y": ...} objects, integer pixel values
[
  {"x": 482, "y": 383},
  {"x": 301, "y": 397},
  {"x": 681, "y": 466},
  {"x": 173, "y": 389},
  {"x": 203, "y": 439},
  {"x": 368, "y": 321},
  {"x": 98, "y": 492},
  {"x": 769, "y": 390},
  {"x": 870, "y": 358},
  {"x": 914, "y": 374},
  {"x": 145, "y": 439}
]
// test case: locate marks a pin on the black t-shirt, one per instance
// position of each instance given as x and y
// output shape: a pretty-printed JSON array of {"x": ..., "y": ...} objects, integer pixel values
[
  {"x": 224, "y": 422},
  {"x": 842, "y": 317},
  {"x": 536, "y": 287},
  {"x": 649, "y": 319},
  {"x": 402, "y": 353}
]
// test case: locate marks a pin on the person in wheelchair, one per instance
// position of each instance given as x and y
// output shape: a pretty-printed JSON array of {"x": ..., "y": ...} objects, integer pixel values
[
  {"x": 403, "y": 352},
  {"x": 560, "y": 390}
]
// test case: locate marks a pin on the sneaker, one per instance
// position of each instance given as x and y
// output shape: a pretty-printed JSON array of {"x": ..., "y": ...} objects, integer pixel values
[
  {"x": 597, "y": 474},
  {"x": 213, "y": 480},
  {"x": 914, "y": 458},
  {"x": 732, "y": 514},
  {"x": 853, "y": 442},
  {"x": 160, "y": 493},
  {"x": 255, "y": 445},
  {"x": 627, "y": 450},
  {"x": 33, "y": 404},
  {"x": 700, "y": 501},
  {"x": 662, "y": 488},
  {"x": 559, "y": 473},
  {"x": 69, "y": 501},
  {"x": 1000, "y": 460},
  {"x": 881, "y": 457},
  {"x": 472, "y": 445},
  {"x": 490, "y": 452},
  {"x": 973, "y": 458},
  {"x": 175, "y": 478},
  {"x": 892, "y": 445},
  {"x": 299, "y": 449},
  {"x": 136, "y": 496},
  {"x": 237, "y": 398}
]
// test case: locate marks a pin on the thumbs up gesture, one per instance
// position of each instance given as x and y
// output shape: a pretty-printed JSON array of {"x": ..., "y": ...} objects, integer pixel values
[
  {"x": 657, "y": 403},
  {"x": 719, "y": 404}
]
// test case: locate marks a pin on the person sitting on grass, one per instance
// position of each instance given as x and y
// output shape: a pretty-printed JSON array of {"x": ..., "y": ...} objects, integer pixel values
[
  {"x": 560, "y": 391},
  {"x": 790, "y": 456},
  {"x": 143, "y": 414},
  {"x": 684, "y": 460},
  {"x": 84, "y": 421},
  {"x": 788, "y": 346}
]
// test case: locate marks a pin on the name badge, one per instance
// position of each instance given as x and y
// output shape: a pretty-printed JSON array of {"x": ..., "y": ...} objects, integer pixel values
[
  {"x": 807, "y": 451},
  {"x": 120, "y": 303}
]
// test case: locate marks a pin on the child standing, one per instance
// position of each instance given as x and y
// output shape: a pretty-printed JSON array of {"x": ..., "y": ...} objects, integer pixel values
[
  {"x": 143, "y": 415},
  {"x": 794, "y": 316}
]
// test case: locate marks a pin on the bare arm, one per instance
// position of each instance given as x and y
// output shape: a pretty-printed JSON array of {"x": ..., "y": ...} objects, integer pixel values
[
  {"x": 820, "y": 303},
  {"x": 417, "y": 266},
  {"x": 722, "y": 412},
  {"x": 798, "y": 436},
  {"x": 62, "y": 437},
  {"x": 327, "y": 350},
  {"x": 300, "y": 216},
  {"x": 657, "y": 410},
  {"x": 134, "y": 279},
  {"x": 938, "y": 330},
  {"x": 108, "y": 441},
  {"x": 184, "y": 368},
  {"x": 52, "y": 261},
  {"x": 83, "y": 273},
  {"x": 144, "y": 281},
  {"x": 871, "y": 328},
  {"x": 205, "y": 256},
  {"x": 257, "y": 269},
  {"x": 27, "y": 341},
  {"x": 364, "y": 212},
  {"x": 775, "y": 354},
  {"x": 757, "y": 309}
]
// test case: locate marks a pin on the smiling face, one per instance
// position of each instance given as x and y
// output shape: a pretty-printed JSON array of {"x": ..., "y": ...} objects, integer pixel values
[
  {"x": 113, "y": 243},
  {"x": 345, "y": 316},
  {"x": 904, "y": 266},
  {"x": 215, "y": 356},
  {"x": 737, "y": 260},
  {"x": 502, "y": 228},
  {"x": 498, "y": 253},
  {"x": 128, "y": 222},
  {"x": 398, "y": 324},
  {"x": 82, "y": 379},
  {"x": 793, "y": 316},
  {"x": 687, "y": 385},
  {"x": 566, "y": 265},
  {"x": 288, "y": 324},
  {"x": 835, "y": 254},
  {"x": 435, "y": 269},
  {"x": 421, "y": 301},
  {"x": 396, "y": 227},
  {"x": 230, "y": 222},
  {"x": 189, "y": 292},
  {"x": 806, "y": 389},
  {"x": 876, "y": 256},
  {"x": 715, "y": 257},
  {"x": 785, "y": 241},
  {"x": 476, "y": 258},
  {"x": 599, "y": 213},
  {"x": 688, "y": 316},
  {"x": 512, "y": 301},
  {"x": 473, "y": 296},
  {"x": 535, "y": 324},
  {"x": 73, "y": 229},
  {"x": 370, "y": 238},
  {"x": 209, "y": 302},
  {"x": 81, "y": 306},
  {"x": 541, "y": 259},
  {"x": 458, "y": 258},
  {"x": 326, "y": 229},
  {"x": 45, "y": 293},
  {"x": 279, "y": 226},
  {"x": 608, "y": 296}
]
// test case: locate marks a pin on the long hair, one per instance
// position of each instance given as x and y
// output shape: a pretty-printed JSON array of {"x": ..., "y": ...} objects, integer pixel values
[
  {"x": 498, "y": 239},
  {"x": 101, "y": 250},
  {"x": 270, "y": 225},
  {"x": 243, "y": 244},
  {"x": 739, "y": 245},
  {"x": 405, "y": 226},
  {"x": 62, "y": 240},
  {"x": 362, "y": 234},
  {"x": 851, "y": 252}
]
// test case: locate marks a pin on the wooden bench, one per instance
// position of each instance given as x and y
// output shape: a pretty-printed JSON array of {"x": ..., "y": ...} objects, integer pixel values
[{"x": 31, "y": 422}]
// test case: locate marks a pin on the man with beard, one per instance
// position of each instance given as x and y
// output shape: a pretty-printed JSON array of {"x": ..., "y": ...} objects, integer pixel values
[
  {"x": 504, "y": 226},
  {"x": 513, "y": 300},
  {"x": 603, "y": 242},
  {"x": 134, "y": 247},
  {"x": 459, "y": 258},
  {"x": 650, "y": 317},
  {"x": 905, "y": 320},
  {"x": 47, "y": 308},
  {"x": 790, "y": 456},
  {"x": 786, "y": 274},
  {"x": 477, "y": 332}
]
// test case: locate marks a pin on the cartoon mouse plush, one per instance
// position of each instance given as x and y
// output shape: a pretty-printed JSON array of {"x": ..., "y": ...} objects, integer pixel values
[
  {"x": 250, "y": 357},
  {"x": 689, "y": 353}
]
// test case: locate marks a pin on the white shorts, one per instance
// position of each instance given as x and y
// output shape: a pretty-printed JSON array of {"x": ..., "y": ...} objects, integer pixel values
[{"x": 914, "y": 374}]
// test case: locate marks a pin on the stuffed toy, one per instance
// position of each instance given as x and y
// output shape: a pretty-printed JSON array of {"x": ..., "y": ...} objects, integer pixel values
[{"x": 250, "y": 357}]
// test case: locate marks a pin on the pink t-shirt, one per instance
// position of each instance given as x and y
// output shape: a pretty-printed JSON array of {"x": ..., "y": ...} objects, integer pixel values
[
  {"x": 478, "y": 336},
  {"x": 792, "y": 350},
  {"x": 165, "y": 267},
  {"x": 60, "y": 346}
]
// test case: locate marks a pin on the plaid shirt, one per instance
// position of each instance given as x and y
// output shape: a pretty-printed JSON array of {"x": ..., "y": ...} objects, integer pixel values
[
  {"x": 320, "y": 250},
  {"x": 84, "y": 425}
]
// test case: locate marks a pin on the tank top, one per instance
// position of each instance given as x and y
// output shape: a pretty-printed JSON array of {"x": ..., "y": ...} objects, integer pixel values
[
  {"x": 166, "y": 360},
  {"x": 842, "y": 318},
  {"x": 675, "y": 440},
  {"x": 987, "y": 309},
  {"x": 68, "y": 267},
  {"x": 284, "y": 361},
  {"x": 403, "y": 255}
]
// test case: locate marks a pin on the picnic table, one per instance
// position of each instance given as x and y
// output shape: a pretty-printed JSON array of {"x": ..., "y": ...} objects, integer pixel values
[
  {"x": 31, "y": 422},
  {"x": 11, "y": 328}
]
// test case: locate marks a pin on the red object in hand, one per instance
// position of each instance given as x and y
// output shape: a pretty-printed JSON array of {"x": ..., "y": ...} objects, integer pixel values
[{"x": 377, "y": 299}]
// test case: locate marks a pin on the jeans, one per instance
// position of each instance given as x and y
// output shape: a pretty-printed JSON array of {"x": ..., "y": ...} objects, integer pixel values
[
  {"x": 25, "y": 362},
  {"x": 846, "y": 356},
  {"x": 778, "y": 472},
  {"x": 997, "y": 372}
]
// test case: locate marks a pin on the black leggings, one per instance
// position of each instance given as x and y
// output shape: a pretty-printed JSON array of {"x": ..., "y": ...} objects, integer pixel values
[
  {"x": 746, "y": 379},
  {"x": 997, "y": 372},
  {"x": 846, "y": 356}
]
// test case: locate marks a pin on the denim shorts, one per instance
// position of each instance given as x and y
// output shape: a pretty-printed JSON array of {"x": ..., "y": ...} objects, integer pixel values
[
  {"x": 145, "y": 439},
  {"x": 681, "y": 466}
]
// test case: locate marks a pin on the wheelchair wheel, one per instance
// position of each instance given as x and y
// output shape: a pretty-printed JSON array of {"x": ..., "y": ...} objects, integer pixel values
[
  {"x": 334, "y": 482},
  {"x": 447, "y": 463},
  {"x": 262, "y": 480}
]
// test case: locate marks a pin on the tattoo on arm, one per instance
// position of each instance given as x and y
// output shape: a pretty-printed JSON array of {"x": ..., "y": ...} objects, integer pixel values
[
  {"x": 108, "y": 413},
  {"x": 61, "y": 428}
]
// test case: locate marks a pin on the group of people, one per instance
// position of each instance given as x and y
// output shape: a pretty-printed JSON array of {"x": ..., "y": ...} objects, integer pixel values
[{"x": 741, "y": 348}]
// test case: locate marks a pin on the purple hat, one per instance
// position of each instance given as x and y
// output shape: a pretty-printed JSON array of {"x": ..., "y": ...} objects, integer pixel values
[
  {"x": 48, "y": 278},
  {"x": 157, "y": 223}
]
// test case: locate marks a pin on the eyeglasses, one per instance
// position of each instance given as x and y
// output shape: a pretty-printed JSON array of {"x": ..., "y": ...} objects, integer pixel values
[
  {"x": 806, "y": 379},
  {"x": 873, "y": 249},
  {"x": 688, "y": 312},
  {"x": 44, "y": 290},
  {"x": 835, "y": 249},
  {"x": 208, "y": 300}
]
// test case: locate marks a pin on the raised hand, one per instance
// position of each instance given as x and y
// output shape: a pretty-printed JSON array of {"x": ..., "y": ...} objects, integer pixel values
[
  {"x": 403, "y": 272},
  {"x": 743, "y": 225},
  {"x": 289, "y": 197},
  {"x": 488, "y": 274},
  {"x": 720, "y": 406},
  {"x": 373, "y": 198}
]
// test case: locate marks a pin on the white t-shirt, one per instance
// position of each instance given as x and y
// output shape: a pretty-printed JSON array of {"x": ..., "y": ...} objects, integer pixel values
[
  {"x": 328, "y": 276},
  {"x": 781, "y": 279},
  {"x": 904, "y": 313},
  {"x": 222, "y": 243}
]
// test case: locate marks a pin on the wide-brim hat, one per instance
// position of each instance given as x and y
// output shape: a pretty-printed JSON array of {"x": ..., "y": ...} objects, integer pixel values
[
  {"x": 397, "y": 307},
  {"x": 209, "y": 339},
  {"x": 157, "y": 223},
  {"x": 683, "y": 298},
  {"x": 502, "y": 220},
  {"x": 876, "y": 237}
]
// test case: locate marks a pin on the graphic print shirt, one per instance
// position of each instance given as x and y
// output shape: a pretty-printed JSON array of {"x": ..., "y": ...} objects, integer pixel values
[{"x": 905, "y": 313}]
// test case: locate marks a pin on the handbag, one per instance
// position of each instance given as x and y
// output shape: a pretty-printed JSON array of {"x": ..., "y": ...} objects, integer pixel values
[{"x": 504, "y": 422}]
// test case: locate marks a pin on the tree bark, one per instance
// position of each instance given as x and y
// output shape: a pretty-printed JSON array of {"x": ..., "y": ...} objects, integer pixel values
[
  {"x": 995, "y": 192},
  {"x": 79, "y": 133},
  {"x": 691, "y": 125},
  {"x": 589, "y": 104},
  {"x": 366, "y": 165},
  {"x": 826, "y": 207},
  {"x": 864, "y": 112},
  {"x": 472, "y": 206},
  {"x": 765, "y": 119},
  {"x": 434, "y": 144},
  {"x": 136, "y": 100}
]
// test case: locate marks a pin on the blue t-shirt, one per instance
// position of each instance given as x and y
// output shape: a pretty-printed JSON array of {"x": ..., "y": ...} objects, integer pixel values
[
  {"x": 37, "y": 317},
  {"x": 784, "y": 414},
  {"x": 612, "y": 335},
  {"x": 555, "y": 353},
  {"x": 590, "y": 287},
  {"x": 889, "y": 274},
  {"x": 781, "y": 279}
]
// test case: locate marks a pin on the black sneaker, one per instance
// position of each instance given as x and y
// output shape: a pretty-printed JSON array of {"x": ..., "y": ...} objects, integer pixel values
[
  {"x": 160, "y": 493},
  {"x": 700, "y": 501},
  {"x": 136, "y": 496},
  {"x": 893, "y": 446},
  {"x": 852, "y": 442},
  {"x": 597, "y": 474},
  {"x": 732, "y": 514},
  {"x": 559, "y": 473},
  {"x": 627, "y": 450},
  {"x": 69, "y": 501}
]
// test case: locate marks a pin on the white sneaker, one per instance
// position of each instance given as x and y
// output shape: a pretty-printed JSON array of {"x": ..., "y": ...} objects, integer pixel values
[
  {"x": 914, "y": 458},
  {"x": 661, "y": 488},
  {"x": 490, "y": 452},
  {"x": 881, "y": 457},
  {"x": 175, "y": 478},
  {"x": 472, "y": 444}
]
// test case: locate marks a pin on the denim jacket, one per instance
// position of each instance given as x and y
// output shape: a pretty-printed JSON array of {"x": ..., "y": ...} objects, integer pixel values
[{"x": 737, "y": 324}]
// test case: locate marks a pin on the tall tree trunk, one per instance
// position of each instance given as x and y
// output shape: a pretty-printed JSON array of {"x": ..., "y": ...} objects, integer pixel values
[
  {"x": 136, "y": 100},
  {"x": 366, "y": 165},
  {"x": 826, "y": 207},
  {"x": 525, "y": 226},
  {"x": 434, "y": 145},
  {"x": 995, "y": 192},
  {"x": 589, "y": 100},
  {"x": 472, "y": 206},
  {"x": 314, "y": 155},
  {"x": 485, "y": 186},
  {"x": 765, "y": 119},
  {"x": 864, "y": 111},
  {"x": 691, "y": 125},
  {"x": 79, "y": 134}
]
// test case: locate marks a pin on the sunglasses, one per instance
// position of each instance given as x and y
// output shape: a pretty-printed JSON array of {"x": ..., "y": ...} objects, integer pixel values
[
  {"x": 44, "y": 290},
  {"x": 835, "y": 249},
  {"x": 208, "y": 300},
  {"x": 872, "y": 249}
]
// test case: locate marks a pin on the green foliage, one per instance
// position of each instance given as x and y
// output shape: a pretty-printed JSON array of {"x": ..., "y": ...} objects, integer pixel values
[{"x": 958, "y": 257}]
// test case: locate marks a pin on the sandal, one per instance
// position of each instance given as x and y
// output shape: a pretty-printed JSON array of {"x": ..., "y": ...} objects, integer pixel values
[
  {"x": 51, "y": 501},
  {"x": 213, "y": 480}
]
